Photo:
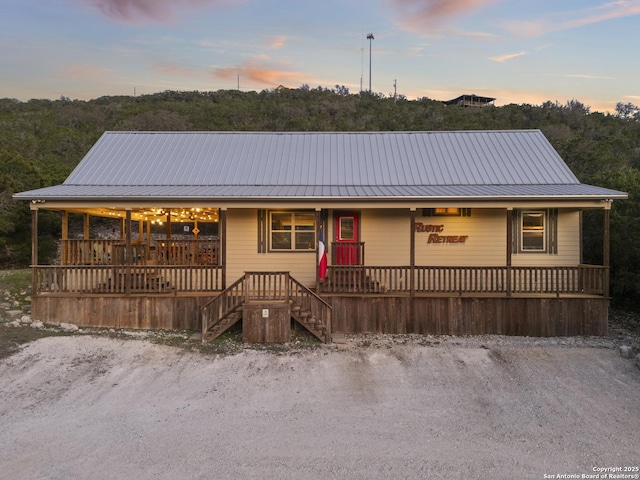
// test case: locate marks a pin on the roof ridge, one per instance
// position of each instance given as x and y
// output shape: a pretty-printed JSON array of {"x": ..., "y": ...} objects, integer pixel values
[{"x": 332, "y": 132}]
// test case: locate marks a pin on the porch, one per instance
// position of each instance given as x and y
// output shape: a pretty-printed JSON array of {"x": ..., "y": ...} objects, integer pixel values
[
  {"x": 447, "y": 281},
  {"x": 534, "y": 301},
  {"x": 341, "y": 279},
  {"x": 166, "y": 251},
  {"x": 144, "y": 281}
]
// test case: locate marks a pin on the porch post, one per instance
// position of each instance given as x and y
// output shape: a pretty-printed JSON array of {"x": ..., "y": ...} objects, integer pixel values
[
  {"x": 86, "y": 230},
  {"x": 223, "y": 245},
  {"x": 140, "y": 231},
  {"x": 64, "y": 258},
  {"x": 606, "y": 248},
  {"x": 34, "y": 252},
  {"x": 168, "y": 227},
  {"x": 318, "y": 227},
  {"x": 412, "y": 269},
  {"x": 509, "y": 249},
  {"x": 34, "y": 237},
  {"x": 148, "y": 240},
  {"x": 129, "y": 251},
  {"x": 412, "y": 254}
]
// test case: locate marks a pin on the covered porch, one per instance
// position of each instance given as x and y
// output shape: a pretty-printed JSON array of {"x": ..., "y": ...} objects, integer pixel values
[
  {"x": 147, "y": 250},
  {"x": 155, "y": 273}
]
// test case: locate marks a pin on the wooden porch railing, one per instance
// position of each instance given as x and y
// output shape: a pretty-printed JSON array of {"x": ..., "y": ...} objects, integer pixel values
[
  {"x": 186, "y": 252},
  {"x": 225, "y": 304},
  {"x": 355, "y": 279},
  {"x": 269, "y": 286},
  {"x": 313, "y": 305},
  {"x": 122, "y": 279},
  {"x": 347, "y": 253},
  {"x": 160, "y": 252},
  {"x": 581, "y": 279},
  {"x": 88, "y": 252}
]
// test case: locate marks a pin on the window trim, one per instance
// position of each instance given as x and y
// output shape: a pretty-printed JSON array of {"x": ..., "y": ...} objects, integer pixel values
[
  {"x": 550, "y": 231},
  {"x": 293, "y": 249},
  {"x": 524, "y": 229}
]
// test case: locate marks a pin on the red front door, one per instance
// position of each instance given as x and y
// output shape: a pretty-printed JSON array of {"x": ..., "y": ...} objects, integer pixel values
[{"x": 347, "y": 245}]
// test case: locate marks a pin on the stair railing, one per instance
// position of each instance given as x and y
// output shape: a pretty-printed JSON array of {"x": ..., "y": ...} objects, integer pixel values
[
  {"x": 312, "y": 303},
  {"x": 265, "y": 286},
  {"x": 217, "y": 309}
]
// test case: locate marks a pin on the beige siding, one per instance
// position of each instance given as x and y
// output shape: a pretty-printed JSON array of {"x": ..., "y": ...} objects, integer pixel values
[
  {"x": 387, "y": 237},
  {"x": 243, "y": 256},
  {"x": 568, "y": 244},
  {"x": 485, "y": 244}
]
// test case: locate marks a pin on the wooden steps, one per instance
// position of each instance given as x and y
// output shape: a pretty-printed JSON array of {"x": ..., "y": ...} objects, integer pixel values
[
  {"x": 295, "y": 302},
  {"x": 222, "y": 326},
  {"x": 313, "y": 324}
]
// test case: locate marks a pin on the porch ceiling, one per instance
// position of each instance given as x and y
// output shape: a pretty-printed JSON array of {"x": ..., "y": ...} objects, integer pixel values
[{"x": 155, "y": 215}]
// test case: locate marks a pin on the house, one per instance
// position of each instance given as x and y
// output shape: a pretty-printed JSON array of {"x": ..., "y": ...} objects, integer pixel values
[
  {"x": 470, "y": 101},
  {"x": 455, "y": 232}
]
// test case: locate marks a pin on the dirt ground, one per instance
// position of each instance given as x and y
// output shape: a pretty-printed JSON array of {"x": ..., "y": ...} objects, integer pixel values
[{"x": 85, "y": 407}]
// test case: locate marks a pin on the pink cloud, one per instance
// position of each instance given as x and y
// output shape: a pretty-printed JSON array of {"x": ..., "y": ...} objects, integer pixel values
[
  {"x": 84, "y": 72},
  {"x": 506, "y": 57},
  {"x": 277, "y": 41},
  {"x": 262, "y": 75},
  {"x": 416, "y": 15},
  {"x": 148, "y": 11},
  {"x": 602, "y": 13}
]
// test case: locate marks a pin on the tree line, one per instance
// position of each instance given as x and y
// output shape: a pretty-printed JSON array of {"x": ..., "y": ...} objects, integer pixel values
[{"x": 41, "y": 141}]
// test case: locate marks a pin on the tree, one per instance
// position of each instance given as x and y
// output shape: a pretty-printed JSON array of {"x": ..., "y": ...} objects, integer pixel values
[
  {"x": 41, "y": 141},
  {"x": 627, "y": 111}
]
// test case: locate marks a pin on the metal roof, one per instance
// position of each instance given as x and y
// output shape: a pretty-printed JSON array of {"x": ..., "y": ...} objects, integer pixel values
[
  {"x": 286, "y": 165},
  {"x": 74, "y": 192}
]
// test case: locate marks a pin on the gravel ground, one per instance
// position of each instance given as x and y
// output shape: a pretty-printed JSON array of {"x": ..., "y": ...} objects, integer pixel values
[{"x": 86, "y": 407}]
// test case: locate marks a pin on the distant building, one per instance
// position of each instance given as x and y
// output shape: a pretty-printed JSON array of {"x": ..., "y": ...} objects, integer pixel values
[{"x": 470, "y": 101}]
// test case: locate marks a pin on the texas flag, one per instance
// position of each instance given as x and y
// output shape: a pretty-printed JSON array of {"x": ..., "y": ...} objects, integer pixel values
[{"x": 322, "y": 257}]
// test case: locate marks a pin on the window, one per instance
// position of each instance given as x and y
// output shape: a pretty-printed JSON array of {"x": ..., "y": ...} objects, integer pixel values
[
  {"x": 533, "y": 231},
  {"x": 347, "y": 229},
  {"x": 446, "y": 212},
  {"x": 292, "y": 231}
]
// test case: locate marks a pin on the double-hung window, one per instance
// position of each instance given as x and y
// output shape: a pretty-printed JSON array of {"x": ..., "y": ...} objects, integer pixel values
[
  {"x": 535, "y": 231},
  {"x": 533, "y": 224},
  {"x": 292, "y": 231}
]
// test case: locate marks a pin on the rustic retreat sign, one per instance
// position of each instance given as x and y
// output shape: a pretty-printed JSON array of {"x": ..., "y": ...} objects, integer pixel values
[{"x": 435, "y": 236}]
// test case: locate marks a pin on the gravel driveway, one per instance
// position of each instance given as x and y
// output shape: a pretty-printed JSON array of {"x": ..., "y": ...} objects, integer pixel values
[{"x": 381, "y": 407}]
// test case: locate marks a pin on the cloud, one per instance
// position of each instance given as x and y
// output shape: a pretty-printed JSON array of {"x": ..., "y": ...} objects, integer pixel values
[
  {"x": 138, "y": 12},
  {"x": 470, "y": 34},
  {"x": 261, "y": 74},
  {"x": 507, "y": 56},
  {"x": 590, "y": 77},
  {"x": 277, "y": 42},
  {"x": 567, "y": 21},
  {"x": 418, "y": 15}
]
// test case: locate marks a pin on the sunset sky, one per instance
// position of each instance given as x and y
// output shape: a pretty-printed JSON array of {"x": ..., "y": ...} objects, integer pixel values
[{"x": 518, "y": 51}]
